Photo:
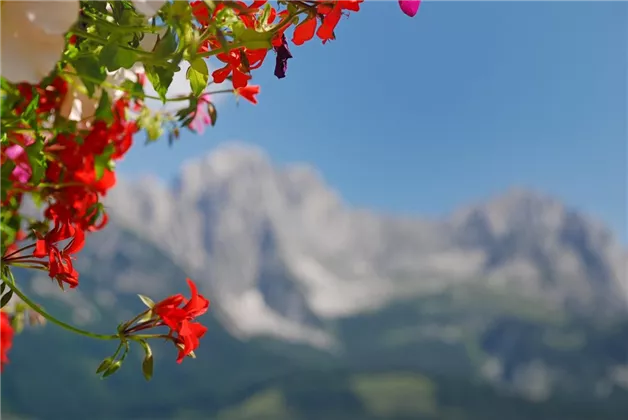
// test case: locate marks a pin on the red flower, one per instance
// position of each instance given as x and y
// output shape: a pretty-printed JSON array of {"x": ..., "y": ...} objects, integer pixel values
[
  {"x": 257, "y": 4},
  {"x": 6, "y": 339},
  {"x": 60, "y": 262},
  {"x": 330, "y": 15},
  {"x": 238, "y": 64},
  {"x": 200, "y": 12},
  {"x": 73, "y": 158},
  {"x": 249, "y": 92},
  {"x": 50, "y": 97},
  {"x": 304, "y": 31},
  {"x": 179, "y": 320}
]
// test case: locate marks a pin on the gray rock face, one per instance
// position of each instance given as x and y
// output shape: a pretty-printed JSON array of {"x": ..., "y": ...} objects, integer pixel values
[{"x": 279, "y": 252}]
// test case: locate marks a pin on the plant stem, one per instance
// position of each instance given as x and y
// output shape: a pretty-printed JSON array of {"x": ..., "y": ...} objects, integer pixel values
[
  {"x": 19, "y": 250},
  {"x": 54, "y": 320},
  {"x": 121, "y": 88},
  {"x": 95, "y": 38}
]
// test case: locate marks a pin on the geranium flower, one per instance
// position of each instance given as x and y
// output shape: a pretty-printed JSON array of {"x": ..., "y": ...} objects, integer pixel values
[
  {"x": 6, "y": 339},
  {"x": 16, "y": 152},
  {"x": 180, "y": 319},
  {"x": 32, "y": 37},
  {"x": 249, "y": 92},
  {"x": 201, "y": 115},
  {"x": 60, "y": 261}
]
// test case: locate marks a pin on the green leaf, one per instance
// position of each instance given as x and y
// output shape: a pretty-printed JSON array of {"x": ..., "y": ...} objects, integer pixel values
[
  {"x": 29, "y": 112},
  {"x": 166, "y": 46},
  {"x": 146, "y": 301},
  {"x": 7, "y": 167},
  {"x": 104, "y": 111},
  {"x": 104, "y": 364},
  {"x": 198, "y": 75},
  {"x": 114, "y": 57},
  {"x": 180, "y": 8},
  {"x": 6, "y": 298},
  {"x": 101, "y": 162},
  {"x": 39, "y": 171},
  {"x": 90, "y": 71},
  {"x": 161, "y": 79},
  {"x": 134, "y": 88},
  {"x": 253, "y": 39},
  {"x": 37, "y": 161}
]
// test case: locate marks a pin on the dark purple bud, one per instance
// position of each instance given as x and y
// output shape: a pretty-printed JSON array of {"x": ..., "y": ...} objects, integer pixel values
[{"x": 281, "y": 61}]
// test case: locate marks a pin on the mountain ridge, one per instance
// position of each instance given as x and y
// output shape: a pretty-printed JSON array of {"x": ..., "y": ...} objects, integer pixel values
[{"x": 232, "y": 212}]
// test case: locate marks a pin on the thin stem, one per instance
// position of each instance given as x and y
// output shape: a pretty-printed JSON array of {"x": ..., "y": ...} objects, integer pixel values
[
  {"x": 127, "y": 324},
  {"x": 19, "y": 250},
  {"x": 117, "y": 350},
  {"x": 117, "y": 28},
  {"x": 222, "y": 91},
  {"x": 25, "y": 265},
  {"x": 102, "y": 41},
  {"x": 139, "y": 337},
  {"x": 112, "y": 86},
  {"x": 94, "y": 80},
  {"x": 225, "y": 50},
  {"x": 142, "y": 326},
  {"x": 54, "y": 320},
  {"x": 178, "y": 98}
]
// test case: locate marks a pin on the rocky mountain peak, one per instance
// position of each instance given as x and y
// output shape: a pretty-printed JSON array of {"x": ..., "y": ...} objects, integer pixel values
[
  {"x": 235, "y": 222},
  {"x": 517, "y": 209}
]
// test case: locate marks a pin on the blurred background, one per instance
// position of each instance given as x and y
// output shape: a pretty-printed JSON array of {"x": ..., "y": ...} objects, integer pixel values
[{"x": 424, "y": 220}]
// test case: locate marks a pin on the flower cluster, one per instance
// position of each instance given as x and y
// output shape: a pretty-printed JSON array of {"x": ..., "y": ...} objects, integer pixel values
[
  {"x": 184, "y": 332},
  {"x": 73, "y": 99},
  {"x": 67, "y": 168}
]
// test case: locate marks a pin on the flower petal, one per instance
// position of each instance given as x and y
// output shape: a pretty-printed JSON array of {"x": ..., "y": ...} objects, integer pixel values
[
  {"x": 27, "y": 52},
  {"x": 410, "y": 7}
]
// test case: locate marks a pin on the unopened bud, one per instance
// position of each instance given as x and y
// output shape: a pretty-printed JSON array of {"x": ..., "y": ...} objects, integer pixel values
[{"x": 35, "y": 319}]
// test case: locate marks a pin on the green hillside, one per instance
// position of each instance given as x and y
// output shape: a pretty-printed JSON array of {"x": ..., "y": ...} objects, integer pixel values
[{"x": 417, "y": 359}]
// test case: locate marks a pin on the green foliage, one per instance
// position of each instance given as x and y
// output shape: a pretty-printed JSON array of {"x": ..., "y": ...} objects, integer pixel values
[
  {"x": 198, "y": 75},
  {"x": 161, "y": 78}
]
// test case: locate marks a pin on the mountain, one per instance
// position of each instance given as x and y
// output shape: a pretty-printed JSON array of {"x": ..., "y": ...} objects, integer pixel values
[
  {"x": 513, "y": 307},
  {"x": 282, "y": 254}
]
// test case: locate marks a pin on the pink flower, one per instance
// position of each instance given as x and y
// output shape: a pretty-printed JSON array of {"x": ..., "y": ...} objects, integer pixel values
[
  {"x": 201, "y": 116},
  {"x": 22, "y": 171},
  {"x": 410, "y": 7}
]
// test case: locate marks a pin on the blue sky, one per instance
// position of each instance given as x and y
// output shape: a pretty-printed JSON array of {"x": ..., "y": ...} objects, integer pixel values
[{"x": 423, "y": 115}]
